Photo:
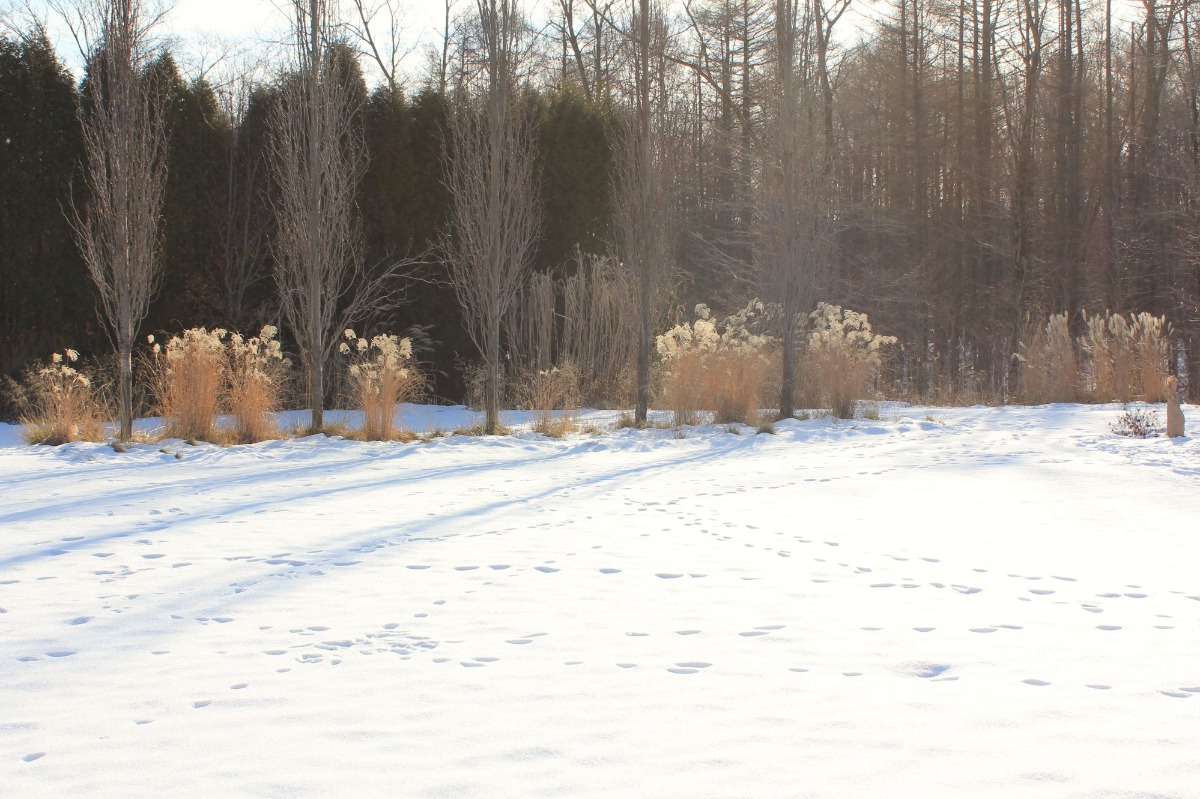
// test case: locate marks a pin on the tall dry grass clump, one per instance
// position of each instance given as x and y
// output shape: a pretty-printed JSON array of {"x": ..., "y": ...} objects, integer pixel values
[
  {"x": 553, "y": 397},
  {"x": 842, "y": 360},
  {"x": 256, "y": 374},
  {"x": 187, "y": 377},
  {"x": 599, "y": 334},
  {"x": 1127, "y": 357},
  {"x": 711, "y": 367},
  {"x": 60, "y": 403},
  {"x": 1048, "y": 365},
  {"x": 381, "y": 375}
]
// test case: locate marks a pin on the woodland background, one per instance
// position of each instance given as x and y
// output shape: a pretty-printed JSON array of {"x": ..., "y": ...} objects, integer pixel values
[{"x": 988, "y": 163}]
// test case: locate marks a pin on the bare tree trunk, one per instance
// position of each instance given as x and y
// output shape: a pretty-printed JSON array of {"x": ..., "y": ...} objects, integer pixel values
[
  {"x": 125, "y": 169},
  {"x": 646, "y": 189},
  {"x": 640, "y": 186},
  {"x": 790, "y": 203}
]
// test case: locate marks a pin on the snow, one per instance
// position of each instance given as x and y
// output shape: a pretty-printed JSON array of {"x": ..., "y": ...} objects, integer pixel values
[{"x": 984, "y": 602}]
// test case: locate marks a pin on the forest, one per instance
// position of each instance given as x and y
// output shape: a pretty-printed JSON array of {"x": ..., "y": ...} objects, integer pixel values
[{"x": 974, "y": 177}]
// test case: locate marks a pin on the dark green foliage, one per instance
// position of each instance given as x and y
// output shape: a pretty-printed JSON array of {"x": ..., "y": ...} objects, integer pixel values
[
  {"x": 575, "y": 160},
  {"x": 45, "y": 294},
  {"x": 404, "y": 204},
  {"x": 194, "y": 204}
]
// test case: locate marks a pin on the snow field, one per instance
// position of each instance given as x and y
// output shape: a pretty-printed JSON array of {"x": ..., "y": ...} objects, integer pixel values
[{"x": 1005, "y": 603}]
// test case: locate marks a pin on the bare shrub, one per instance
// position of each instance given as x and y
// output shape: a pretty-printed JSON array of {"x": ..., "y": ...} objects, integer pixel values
[
  {"x": 382, "y": 375},
  {"x": 475, "y": 384},
  {"x": 186, "y": 381},
  {"x": 550, "y": 390},
  {"x": 257, "y": 374},
  {"x": 1127, "y": 357},
  {"x": 1048, "y": 367},
  {"x": 59, "y": 403},
  {"x": 1137, "y": 423},
  {"x": 530, "y": 326},
  {"x": 842, "y": 362},
  {"x": 600, "y": 325}
]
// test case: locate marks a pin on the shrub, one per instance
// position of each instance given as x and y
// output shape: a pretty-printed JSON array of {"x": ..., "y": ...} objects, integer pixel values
[
  {"x": 256, "y": 374},
  {"x": 382, "y": 375},
  {"x": 842, "y": 360},
  {"x": 1127, "y": 357},
  {"x": 187, "y": 378},
  {"x": 1047, "y": 364},
  {"x": 711, "y": 367},
  {"x": 59, "y": 403},
  {"x": 1137, "y": 423},
  {"x": 550, "y": 390}
]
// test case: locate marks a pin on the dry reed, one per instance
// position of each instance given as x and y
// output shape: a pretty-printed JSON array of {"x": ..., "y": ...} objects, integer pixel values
[
  {"x": 381, "y": 375},
  {"x": 186, "y": 380},
  {"x": 60, "y": 403}
]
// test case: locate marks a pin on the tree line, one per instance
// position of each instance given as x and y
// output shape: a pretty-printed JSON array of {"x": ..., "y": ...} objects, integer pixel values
[{"x": 957, "y": 170}]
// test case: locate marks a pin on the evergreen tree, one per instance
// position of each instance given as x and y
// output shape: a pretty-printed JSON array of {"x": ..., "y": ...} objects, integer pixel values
[{"x": 45, "y": 294}]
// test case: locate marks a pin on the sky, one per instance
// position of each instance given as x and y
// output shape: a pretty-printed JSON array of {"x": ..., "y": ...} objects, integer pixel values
[{"x": 196, "y": 26}]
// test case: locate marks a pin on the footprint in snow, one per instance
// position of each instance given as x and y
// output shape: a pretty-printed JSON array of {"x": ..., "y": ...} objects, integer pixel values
[
  {"x": 77, "y": 620},
  {"x": 667, "y": 575},
  {"x": 546, "y": 569},
  {"x": 32, "y": 756},
  {"x": 929, "y": 671},
  {"x": 1036, "y": 683},
  {"x": 610, "y": 571},
  {"x": 1108, "y": 628},
  {"x": 201, "y": 703}
]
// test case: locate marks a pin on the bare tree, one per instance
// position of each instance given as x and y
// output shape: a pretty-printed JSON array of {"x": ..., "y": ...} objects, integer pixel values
[
  {"x": 642, "y": 205},
  {"x": 318, "y": 158},
  {"x": 378, "y": 29},
  {"x": 492, "y": 179},
  {"x": 794, "y": 234},
  {"x": 125, "y": 170}
]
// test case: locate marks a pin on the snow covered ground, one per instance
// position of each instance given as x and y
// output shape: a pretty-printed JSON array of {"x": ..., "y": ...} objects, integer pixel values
[{"x": 990, "y": 602}]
